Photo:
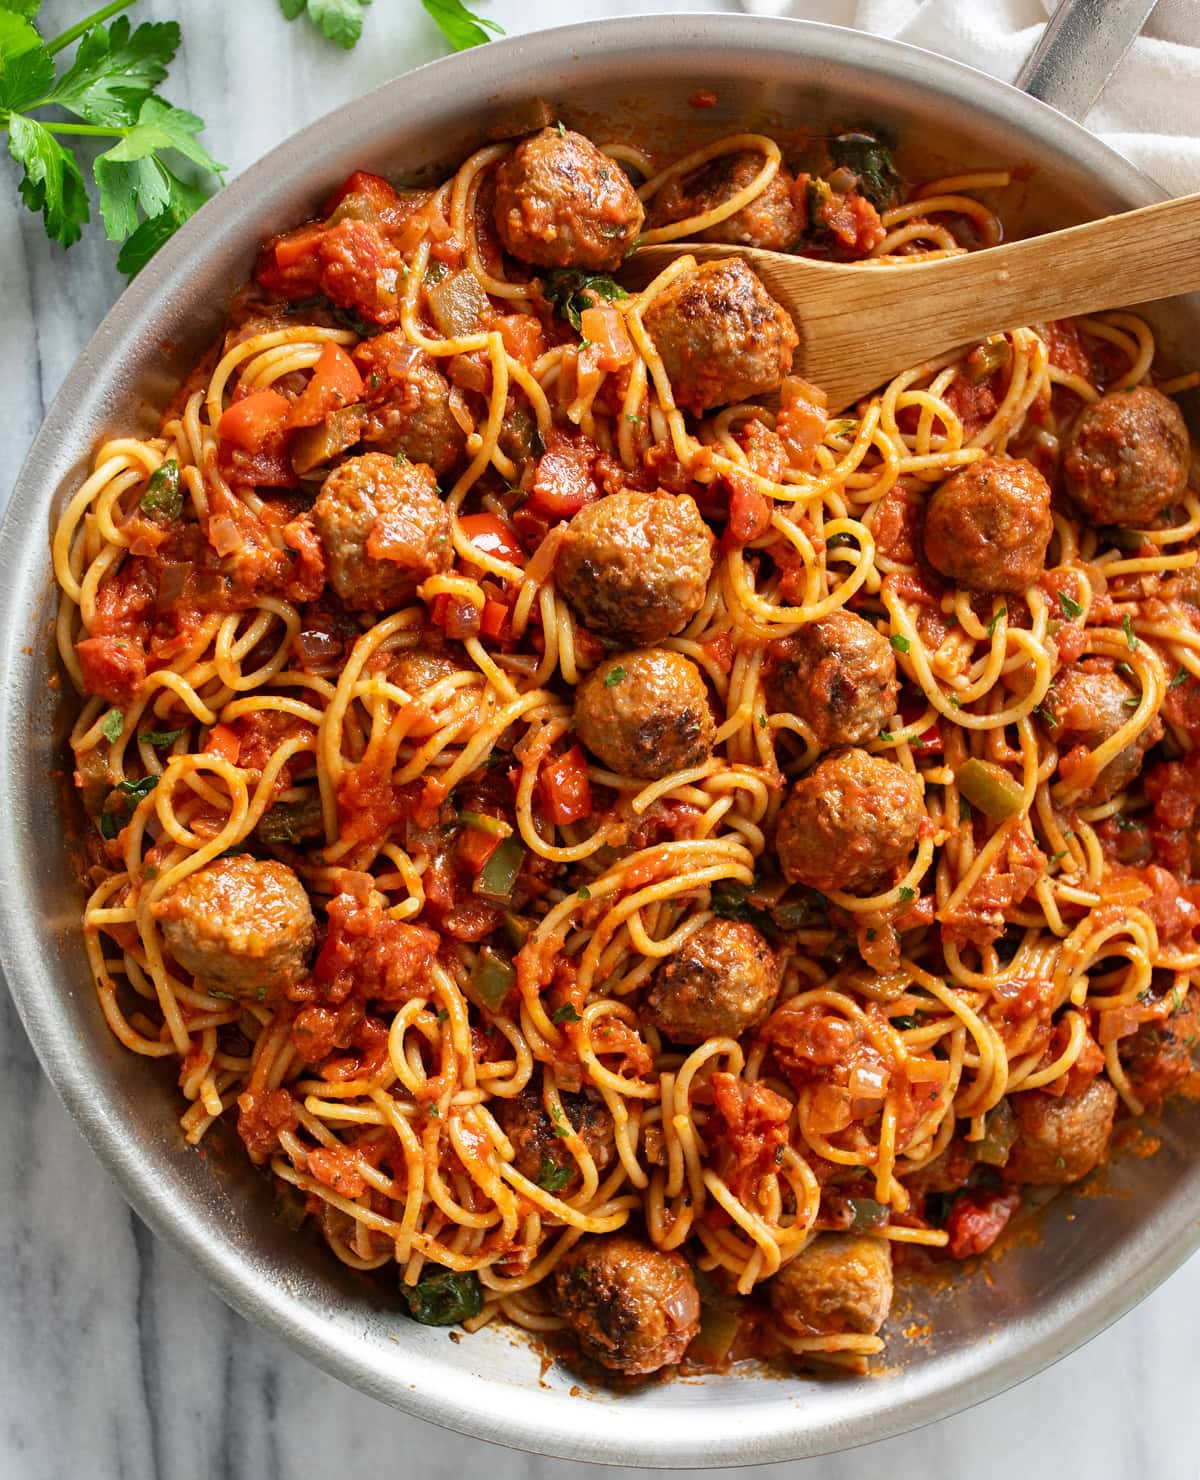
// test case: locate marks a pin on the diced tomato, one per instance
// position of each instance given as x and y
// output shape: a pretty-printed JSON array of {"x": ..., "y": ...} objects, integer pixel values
[
  {"x": 522, "y": 336},
  {"x": 605, "y": 329},
  {"x": 494, "y": 621},
  {"x": 372, "y": 188},
  {"x": 489, "y": 533},
  {"x": 977, "y": 1220},
  {"x": 223, "y": 741},
  {"x": 297, "y": 245},
  {"x": 457, "y": 617},
  {"x": 113, "y": 667},
  {"x": 335, "y": 383},
  {"x": 251, "y": 422},
  {"x": 565, "y": 790},
  {"x": 749, "y": 514},
  {"x": 563, "y": 482},
  {"x": 476, "y": 847}
]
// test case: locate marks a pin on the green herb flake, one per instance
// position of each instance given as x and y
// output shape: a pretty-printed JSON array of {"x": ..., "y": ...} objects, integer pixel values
[
  {"x": 1070, "y": 607},
  {"x": 614, "y": 676},
  {"x": 1179, "y": 678},
  {"x": 137, "y": 790},
  {"x": 160, "y": 739},
  {"x": 1131, "y": 641},
  {"x": 886, "y": 736},
  {"x": 995, "y": 622},
  {"x": 561, "y": 1129},
  {"x": 113, "y": 726},
  {"x": 551, "y": 1177},
  {"x": 899, "y": 642},
  {"x": 110, "y": 825},
  {"x": 444, "y": 1299},
  {"x": 907, "y": 1021},
  {"x": 583, "y": 892},
  {"x": 565, "y": 1014},
  {"x": 907, "y": 893}
]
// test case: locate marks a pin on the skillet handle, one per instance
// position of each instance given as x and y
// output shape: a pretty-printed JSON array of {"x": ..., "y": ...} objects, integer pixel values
[{"x": 1080, "y": 49}]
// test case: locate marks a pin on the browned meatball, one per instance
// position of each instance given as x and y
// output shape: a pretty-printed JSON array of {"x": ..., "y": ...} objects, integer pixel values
[
  {"x": 720, "y": 982},
  {"x": 631, "y": 1307},
  {"x": 418, "y": 668},
  {"x": 239, "y": 924},
  {"x": 384, "y": 530},
  {"x": 1159, "y": 1055},
  {"x": 1060, "y": 1138},
  {"x": 1126, "y": 458},
  {"x": 771, "y": 221},
  {"x": 561, "y": 203},
  {"x": 839, "y": 1284},
  {"x": 646, "y": 714},
  {"x": 538, "y": 1150},
  {"x": 850, "y": 820},
  {"x": 407, "y": 403},
  {"x": 721, "y": 336},
  {"x": 635, "y": 566},
  {"x": 987, "y": 527},
  {"x": 1088, "y": 704},
  {"x": 837, "y": 674}
]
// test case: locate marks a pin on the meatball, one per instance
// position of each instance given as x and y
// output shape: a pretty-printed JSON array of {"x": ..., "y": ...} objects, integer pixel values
[
  {"x": 561, "y": 203},
  {"x": 646, "y": 714},
  {"x": 538, "y": 1150},
  {"x": 849, "y": 821},
  {"x": 384, "y": 530},
  {"x": 722, "y": 981},
  {"x": 837, "y": 674},
  {"x": 987, "y": 527},
  {"x": 635, "y": 566},
  {"x": 772, "y": 220},
  {"x": 631, "y": 1307},
  {"x": 240, "y": 924},
  {"x": 721, "y": 336},
  {"x": 407, "y": 403},
  {"x": 1159, "y": 1055},
  {"x": 1088, "y": 704},
  {"x": 1060, "y": 1138},
  {"x": 839, "y": 1284},
  {"x": 418, "y": 668},
  {"x": 1126, "y": 458}
]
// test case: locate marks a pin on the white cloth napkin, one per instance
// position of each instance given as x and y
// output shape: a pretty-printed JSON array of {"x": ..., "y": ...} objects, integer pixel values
[{"x": 1150, "y": 110}]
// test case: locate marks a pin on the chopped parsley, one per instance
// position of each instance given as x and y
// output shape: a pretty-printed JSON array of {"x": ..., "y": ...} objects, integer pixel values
[
  {"x": 114, "y": 725},
  {"x": 995, "y": 622},
  {"x": 1070, "y": 607},
  {"x": 551, "y": 1177},
  {"x": 136, "y": 790},
  {"x": 160, "y": 739},
  {"x": 1131, "y": 641},
  {"x": 583, "y": 892},
  {"x": 565, "y": 1014},
  {"x": 570, "y": 292},
  {"x": 907, "y": 893},
  {"x": 163, "y": 496},
  {"x": 614, "y": 676},
  {"x": 1179, "y": 678},
  {"x": 561, "y": 1129},
  {"x": 899, "y": 642}
]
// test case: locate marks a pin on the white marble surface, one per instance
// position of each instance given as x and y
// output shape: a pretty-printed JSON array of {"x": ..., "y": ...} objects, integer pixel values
[{"x": 116, "y": 1362}]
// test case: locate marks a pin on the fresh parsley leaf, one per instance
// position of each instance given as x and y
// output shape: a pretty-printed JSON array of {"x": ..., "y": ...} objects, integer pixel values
[
  {"x": 995, "y": 622},
  {"x": 137, "y": 790},
  {"x": 899, "y": 642},
  {"x": 51, "y": 183},
  {"x": 551, "y": 1177},
  {"x": 1070, "y": 607},
  {"x": 614, "y": 676},
  {"x": 115, "y": 70},
  {"x": 444, "y": 1298},
  {"x": 339, "y": 21},
  {"x": 1131, "y": 641},
  {"x": 461, "y": 27},
  {"x": 114, "y": 724},
  {"x": 907, "y": 1020},
  {"x": 565, "y": 1014},
  {"x": 569, "y": 293},
  {"x": 184, "y": 201},
  {"x": 561, "y": 1129},
  {"x": 26, "y": 68},
  {"x": 907, "y": 892},
  {"x": 160, "y": 739},
  {"x": 729, "y": 902},
  {"x": 583, "y": 892},
  {"x": 1178, "y": 679}
]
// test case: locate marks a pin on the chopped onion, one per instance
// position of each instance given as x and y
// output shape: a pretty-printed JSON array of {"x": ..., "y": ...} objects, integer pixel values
[
  {"x": 1119, "y": 1022},
  {"x": 458, "y": 409},
  {"x": 406, "y": 358},
  {"x": 869, "y": 1083},
  {"x": 830, "y": 1109},
  {"x": 224, "y": 535}
]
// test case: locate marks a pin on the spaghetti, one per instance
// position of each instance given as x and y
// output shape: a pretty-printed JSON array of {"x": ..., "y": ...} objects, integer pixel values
[{"x": 573, "y": 815}]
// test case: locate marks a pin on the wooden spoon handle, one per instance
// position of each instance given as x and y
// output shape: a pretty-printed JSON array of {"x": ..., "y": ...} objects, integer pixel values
[{"x": 1130, "y": 258}]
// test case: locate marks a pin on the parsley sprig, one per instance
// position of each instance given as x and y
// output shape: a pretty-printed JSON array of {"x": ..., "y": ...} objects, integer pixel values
[
  {"x": 109, "y": 91},
  {"x": 341, "y": 21}
]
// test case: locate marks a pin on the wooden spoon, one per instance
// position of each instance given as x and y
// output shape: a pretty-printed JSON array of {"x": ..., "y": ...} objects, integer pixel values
[{"x": 862, "y": 323}]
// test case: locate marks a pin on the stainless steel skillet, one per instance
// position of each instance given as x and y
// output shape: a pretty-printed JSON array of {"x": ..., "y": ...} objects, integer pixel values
[{"x": 1096, "y": 1256}]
